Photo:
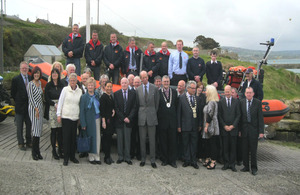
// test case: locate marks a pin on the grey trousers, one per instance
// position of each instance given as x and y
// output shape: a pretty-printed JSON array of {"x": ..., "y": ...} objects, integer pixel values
[
  {"x": 123, "y": 139},
  {"x": 19, "y": 121},
  {"x": 150, "y": 130}
]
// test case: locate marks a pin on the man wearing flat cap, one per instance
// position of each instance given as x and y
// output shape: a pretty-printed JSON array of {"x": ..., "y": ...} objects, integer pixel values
[{"x": 254, "y": 84}]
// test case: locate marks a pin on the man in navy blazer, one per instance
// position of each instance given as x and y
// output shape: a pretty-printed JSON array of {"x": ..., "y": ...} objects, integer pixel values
[
  {"x": 229, "y": 117},
  {"x": 253, "y": 127},
  {"x": 125, "y": 107},
  {"x": 189, "y": 123},
  {"x": 19, "y": 94}
]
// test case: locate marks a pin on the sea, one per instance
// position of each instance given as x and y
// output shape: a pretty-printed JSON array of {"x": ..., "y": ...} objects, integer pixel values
[{"x": 284, "y": 61}]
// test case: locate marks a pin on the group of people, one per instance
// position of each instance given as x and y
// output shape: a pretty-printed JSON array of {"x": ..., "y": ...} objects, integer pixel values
[{"x": 182, "y": 123}]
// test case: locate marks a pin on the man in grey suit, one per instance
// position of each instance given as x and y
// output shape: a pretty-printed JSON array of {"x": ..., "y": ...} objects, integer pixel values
[
  {"x": 229, "y": 117},
  {"x": 253, "y": 127},
  {"x": 148, "y": 101},
  {"x": 189, "y": 121}
]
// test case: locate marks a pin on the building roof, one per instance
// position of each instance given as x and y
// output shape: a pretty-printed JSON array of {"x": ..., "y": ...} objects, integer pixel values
[{"x": 46, "y": 50}]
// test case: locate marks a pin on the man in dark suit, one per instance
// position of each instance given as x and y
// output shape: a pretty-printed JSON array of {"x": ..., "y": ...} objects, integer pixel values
[
  {"x": 229, "y": 117},
  {"x": 214, "y": 71},
  {"x": 20, "y": 96},
  {"x": 167, "y": 123},
  {"x": 189, "y": 123},
  {"x": 254, "y": 84},
  {"x": 253, "y": 127},
  {"x": 147, "y": 100},
  {"x": 125, "y": 107}
]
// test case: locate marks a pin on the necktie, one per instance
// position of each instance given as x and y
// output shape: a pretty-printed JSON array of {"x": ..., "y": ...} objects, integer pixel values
[
  {"x": 146, "y": 93},
  {"x": 192, "y": 101},
  {"x": 248, "y": 111},
  {"x": 180, "y": 60},
  {"x": 228, "y": 102},
  {"x": 26, "y": 81},
  {"x": 167, "y": 93},
  {"x": 132, "y": 56},
  {"x": 125, "y": 100}
]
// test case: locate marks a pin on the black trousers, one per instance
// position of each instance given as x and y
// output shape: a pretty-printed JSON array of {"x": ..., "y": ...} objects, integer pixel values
[
  {"x": 179, "y": 146},
  {"x": 96, "y": 71},
  {"x": 168, "y": 145},
  {"x": 201, "y": 141},
  {"x": 211, "y": 147},
  {"x": 114, "y": 74},
  {"x": 239, "y": 149},
  {"x": 176, "y": 78},
  {"x": 190, "y": 141},
  {"x": 69, "y": 129},
  {"x": 250, "y": 146},
  {"x": 135, "y": 142},
  {"x": 107, "y": 139},
  {"x": 229, "y": 148}
]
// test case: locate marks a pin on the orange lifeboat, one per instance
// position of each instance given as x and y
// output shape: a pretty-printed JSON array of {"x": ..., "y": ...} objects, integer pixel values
[
  {"x": 273, "y": 110},
  {"x": 46, "y": 71}
]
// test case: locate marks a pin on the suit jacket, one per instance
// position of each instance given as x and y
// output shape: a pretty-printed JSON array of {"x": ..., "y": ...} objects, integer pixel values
[
  {"x": 147, "y": 114},
  {"x": 229, "y": 116},
  {"x": 256, "y": 126},
  {"x": 185, "y": 119},
  {"x": 167, "y": 116},
  {"x": 257, "y": 89},
  {"x": 130, "y": 111},
  {"x": 19, "y": 94}
]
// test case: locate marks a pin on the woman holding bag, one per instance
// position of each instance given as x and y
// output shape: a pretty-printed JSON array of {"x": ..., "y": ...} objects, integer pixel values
[
  {"x": 90, "y": 119},
  {"x": 211, "y": 127}
]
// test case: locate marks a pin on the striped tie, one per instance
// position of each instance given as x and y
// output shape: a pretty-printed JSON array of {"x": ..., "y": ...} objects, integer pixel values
[{"x": 248, "y": 111}]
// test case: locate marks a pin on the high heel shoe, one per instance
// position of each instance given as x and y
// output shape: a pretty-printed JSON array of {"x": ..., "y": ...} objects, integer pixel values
[
  {"x": 54, "y": 154},
  {"x": 206, "y": 162},
  {"x": 209, "y": 167}
]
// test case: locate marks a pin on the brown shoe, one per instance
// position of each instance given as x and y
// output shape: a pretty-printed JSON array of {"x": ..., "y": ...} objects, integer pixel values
[{"x": 22, "y": 147}]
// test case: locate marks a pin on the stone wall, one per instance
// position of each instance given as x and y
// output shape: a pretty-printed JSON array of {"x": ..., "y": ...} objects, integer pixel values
[{"x": 288, "y": 129}]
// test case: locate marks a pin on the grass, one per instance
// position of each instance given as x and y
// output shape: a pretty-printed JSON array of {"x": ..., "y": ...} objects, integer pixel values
[{"x": 293, "y": 145}]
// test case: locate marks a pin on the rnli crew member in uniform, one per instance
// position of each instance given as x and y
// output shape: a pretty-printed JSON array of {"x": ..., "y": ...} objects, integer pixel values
[
  {"x": 196, "y": 66},
  {"x": 149, "y": 62},
  {"x": 162, "y": 60}
]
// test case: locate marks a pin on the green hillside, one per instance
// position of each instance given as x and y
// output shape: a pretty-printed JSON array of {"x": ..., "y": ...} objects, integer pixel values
[{"x": 20, "y": 35}]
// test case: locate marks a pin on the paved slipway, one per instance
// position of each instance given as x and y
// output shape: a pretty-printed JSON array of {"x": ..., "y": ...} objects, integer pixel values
[{"x": 279, "y": 173}]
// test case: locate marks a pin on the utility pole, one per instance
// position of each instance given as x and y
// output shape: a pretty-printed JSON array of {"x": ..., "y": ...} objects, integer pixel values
[
  {"x": 1, "y": 40},
  {"x": 98, "y": 13},
  {"x": 88, "y": 28}
]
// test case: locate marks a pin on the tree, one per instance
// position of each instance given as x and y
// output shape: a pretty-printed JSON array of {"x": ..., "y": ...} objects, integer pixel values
[{"x": 206, "y": 43}]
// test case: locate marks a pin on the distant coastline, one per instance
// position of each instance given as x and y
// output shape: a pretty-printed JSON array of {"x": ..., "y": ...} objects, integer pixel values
[{"x": 282, "y": 62}]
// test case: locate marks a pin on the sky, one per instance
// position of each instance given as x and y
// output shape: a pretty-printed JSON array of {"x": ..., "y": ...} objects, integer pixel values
[{"x": 237, "y": 23}]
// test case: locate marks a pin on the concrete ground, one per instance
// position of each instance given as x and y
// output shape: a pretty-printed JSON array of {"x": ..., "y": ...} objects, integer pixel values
[{"x": 279, "y": 173}]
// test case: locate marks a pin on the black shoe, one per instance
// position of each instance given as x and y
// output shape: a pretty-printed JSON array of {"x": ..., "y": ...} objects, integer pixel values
[
  {"x": 65, "y": 163},
  {"x": 54, "y": 154},
  {"x": 40, "y": 156},
  {"x": 239, "y": 163},
  {"x": 98, "y": 162},
  {"x": 111, "y": 160},
  {"x": 128, "y": 162},
  {"x": 34, "y": 157},
  {"x": 233, "y": 169},
  {"x": 22, "y": 147},
  {"x": 153, "y": 165},
  {"x": 254, "y": 172},
  {"x": 186, "y": 164},
  {"x": 60, "y": 154},
  {"x": 74, "y": 160},
  {"x": 195, "y": 165},
  {"x": 173, "y": 165},
  {"x": 142, "y": 164},
  {"x": 119, "y": 161},
  {"x": 82, "y": 155},
  {"x": 225, "y": 167},
  {"x": 92, "y": 162},
  {"x": 164, "y": 164},
  {"x": 245, "y": 169},
  {"x": 29, "y": 145},
  {"x": 107, "y": 161}
]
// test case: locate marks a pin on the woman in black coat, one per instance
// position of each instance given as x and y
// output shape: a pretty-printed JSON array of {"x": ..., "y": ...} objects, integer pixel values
[{"x": 107, "y": 113}]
